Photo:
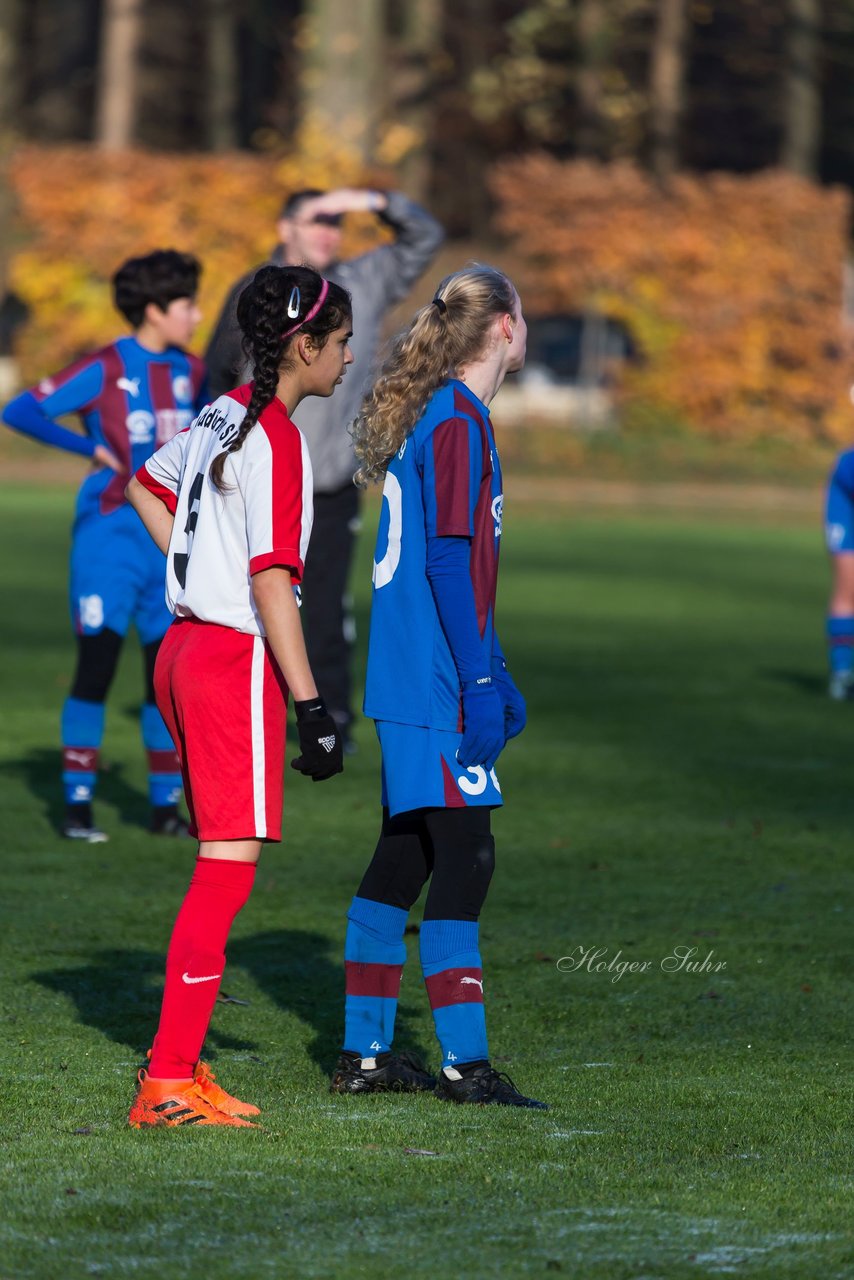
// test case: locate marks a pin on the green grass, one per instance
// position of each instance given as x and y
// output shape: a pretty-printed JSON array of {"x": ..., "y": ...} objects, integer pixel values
[
  {"x": 683, "y": 782},
  {"x": 646, "y": 448}
]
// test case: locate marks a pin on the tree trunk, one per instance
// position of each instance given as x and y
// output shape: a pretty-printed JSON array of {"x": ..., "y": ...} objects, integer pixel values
[
  {"x": 223, "y": 71},
  {"x": 117, "y": 73},
  {"x": 342, "y": 81},
  {"x": 593, "y": 42},
  {"x": 667, "y": 86},
  {"x": 422, "y": 42},
  {"x": 10, "y": 56},
  {"x": 801, "y": 97}
]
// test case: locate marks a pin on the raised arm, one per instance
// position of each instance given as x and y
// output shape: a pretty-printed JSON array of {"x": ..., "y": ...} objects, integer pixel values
[{"x": 393, "y": 268}]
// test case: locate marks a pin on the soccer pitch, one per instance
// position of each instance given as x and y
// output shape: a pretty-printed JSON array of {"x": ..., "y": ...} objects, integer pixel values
[{"x": 683, "y": 784}]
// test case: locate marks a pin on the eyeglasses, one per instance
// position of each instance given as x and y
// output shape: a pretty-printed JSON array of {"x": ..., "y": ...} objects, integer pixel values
[{"x": 320, "y": 220}]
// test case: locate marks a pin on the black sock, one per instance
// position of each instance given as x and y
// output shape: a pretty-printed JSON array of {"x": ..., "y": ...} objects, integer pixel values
[
  {"x": 468, "y": 1068},
  {"x": 79, "y": 814}
]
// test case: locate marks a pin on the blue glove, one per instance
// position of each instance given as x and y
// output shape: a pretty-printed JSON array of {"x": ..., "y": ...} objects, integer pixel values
[
  {"x": 515, "y": 713},
  {"x": 483, "y": 724}
]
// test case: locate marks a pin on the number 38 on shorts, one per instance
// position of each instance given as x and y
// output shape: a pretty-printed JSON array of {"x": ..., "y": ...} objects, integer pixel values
[{"x": 425, "y": 773}]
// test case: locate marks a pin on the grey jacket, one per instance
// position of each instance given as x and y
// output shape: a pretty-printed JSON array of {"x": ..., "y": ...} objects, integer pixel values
[{"x": 375, "y": 281}]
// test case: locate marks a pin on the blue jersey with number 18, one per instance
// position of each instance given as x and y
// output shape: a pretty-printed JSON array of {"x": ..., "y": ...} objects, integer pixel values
[{"x": 445, "y": 481}]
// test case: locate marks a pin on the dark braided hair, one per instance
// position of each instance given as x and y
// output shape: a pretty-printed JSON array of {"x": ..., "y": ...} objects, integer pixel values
[{"x": 262, "y": 313}]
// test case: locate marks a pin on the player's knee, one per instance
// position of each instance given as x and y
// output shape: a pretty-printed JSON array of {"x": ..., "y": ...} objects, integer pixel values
[
  {"x": 97, "y": 658},
  {"x": 482, "y": 866}
]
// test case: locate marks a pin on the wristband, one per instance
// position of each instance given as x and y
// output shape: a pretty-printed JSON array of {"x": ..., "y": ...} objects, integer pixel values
[{"x": 310, "y": 709}]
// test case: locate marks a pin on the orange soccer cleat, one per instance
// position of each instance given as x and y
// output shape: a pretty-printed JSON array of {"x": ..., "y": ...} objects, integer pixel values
[
  {"x": 176, "y": 1102},
  {"x": 217, "y": 1096}
]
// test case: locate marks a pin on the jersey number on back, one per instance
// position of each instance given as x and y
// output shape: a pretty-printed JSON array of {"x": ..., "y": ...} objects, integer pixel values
[
  {"x": 181, "y": 558},
  {"x": 384, "y": 570}
]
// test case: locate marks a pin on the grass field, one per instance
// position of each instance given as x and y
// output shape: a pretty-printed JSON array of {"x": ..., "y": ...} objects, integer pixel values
[{"x": 683, "y": 784}]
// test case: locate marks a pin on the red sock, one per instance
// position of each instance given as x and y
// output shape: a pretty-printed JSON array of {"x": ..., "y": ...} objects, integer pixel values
[{"x": 194, "y": 964}]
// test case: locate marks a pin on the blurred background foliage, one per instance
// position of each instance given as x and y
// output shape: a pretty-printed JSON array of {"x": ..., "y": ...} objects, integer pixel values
[
  {"x": 683, "y": 166},
  {"x": 222, "y": 207},
  {"x": 730, "y": 285}
]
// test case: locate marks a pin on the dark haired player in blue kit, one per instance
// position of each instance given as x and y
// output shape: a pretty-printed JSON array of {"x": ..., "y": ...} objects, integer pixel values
[
  {"x": 131, "y": 397},
  {"x": 839, "y": 537},
  {"x": 437, "y": 686}
]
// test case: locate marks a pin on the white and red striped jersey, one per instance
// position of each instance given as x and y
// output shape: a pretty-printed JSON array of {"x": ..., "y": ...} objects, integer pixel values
[{"x": 261, "y": 519}]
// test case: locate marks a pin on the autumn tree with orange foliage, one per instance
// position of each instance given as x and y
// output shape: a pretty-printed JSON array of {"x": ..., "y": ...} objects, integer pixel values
[
  {"x": 730, "y": 285},
  {"x": 82, "y": 212}
]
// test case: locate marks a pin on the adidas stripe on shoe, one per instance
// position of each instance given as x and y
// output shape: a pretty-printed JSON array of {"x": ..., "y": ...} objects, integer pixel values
[
  {"x": 216, "y": 1095},
  {"x": 176, "y": 1102}
]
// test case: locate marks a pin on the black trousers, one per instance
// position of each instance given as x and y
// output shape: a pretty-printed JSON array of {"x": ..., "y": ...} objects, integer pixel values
[{"x": 327, "y": 617}]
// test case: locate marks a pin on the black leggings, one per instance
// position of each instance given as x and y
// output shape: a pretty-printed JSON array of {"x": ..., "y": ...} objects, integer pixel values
[
  {"x": 453, "y": 846},
  {"x": 97, "y": 660}
]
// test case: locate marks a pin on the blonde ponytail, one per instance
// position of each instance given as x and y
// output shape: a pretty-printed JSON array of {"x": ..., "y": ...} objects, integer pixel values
[{"x": 450, "y": 332}]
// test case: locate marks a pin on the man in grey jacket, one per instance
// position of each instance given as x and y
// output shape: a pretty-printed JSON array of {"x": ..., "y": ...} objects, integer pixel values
[{"x": 309, "y": 232}]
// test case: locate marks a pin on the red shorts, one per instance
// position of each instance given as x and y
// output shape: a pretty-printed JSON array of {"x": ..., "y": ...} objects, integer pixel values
[{"x": 225, "y": 701}]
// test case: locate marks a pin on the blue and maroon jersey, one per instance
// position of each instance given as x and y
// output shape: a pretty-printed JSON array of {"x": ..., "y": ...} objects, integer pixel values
[
  {"x": 445, "y": 481},
  {"x": 128, "y": 398}
]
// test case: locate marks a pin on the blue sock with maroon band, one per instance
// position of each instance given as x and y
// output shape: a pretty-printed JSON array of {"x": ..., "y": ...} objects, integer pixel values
[
  {"x": 374, "y": 956},
  {"x": 82, "y": 731},
  {"x": 840, "y": 644},
  {"x": 164, "y": 769},
  {"x": 453, "y": 975}
]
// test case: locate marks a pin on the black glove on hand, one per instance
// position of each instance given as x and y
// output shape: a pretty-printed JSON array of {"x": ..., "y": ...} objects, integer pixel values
[{"x": 321, "y": 749}]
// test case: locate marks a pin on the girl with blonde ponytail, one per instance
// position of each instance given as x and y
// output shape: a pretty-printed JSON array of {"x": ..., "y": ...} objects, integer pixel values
[
  {"x": 437, "y": 687},
  {"x": 230, "y": 502},
  {"x": 444, "y": 336}
]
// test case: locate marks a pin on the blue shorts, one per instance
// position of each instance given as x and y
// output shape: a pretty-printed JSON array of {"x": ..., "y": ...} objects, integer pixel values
[
  {"x": 420, "y": 771},
  {"x": 839, "y": 508},
  {"x": 118, "y": 575}
]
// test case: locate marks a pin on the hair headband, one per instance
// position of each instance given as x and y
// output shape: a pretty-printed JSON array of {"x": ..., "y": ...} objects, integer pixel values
[
  {"x": 440, "y": 305},
  {"x": 312, "y": 311}
]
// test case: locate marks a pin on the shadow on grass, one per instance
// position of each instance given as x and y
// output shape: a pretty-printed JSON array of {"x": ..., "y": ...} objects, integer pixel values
[
  {"x": 294, "y": 970},
  {"x": 40, "y": 770},
  {"x": 807, "y": 682},
  {"x": 118, "y": 992}
]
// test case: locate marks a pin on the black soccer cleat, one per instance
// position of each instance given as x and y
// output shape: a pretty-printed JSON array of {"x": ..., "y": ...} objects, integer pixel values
[
  {"x": 394, "y": 1073},
  {"x": 80, "y": 825},
  {"x": 166, "y": 821},
  {"x": 484, "y": 1085}
]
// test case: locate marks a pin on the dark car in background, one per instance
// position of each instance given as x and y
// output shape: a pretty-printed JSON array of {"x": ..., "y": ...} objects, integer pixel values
[{"x": 570, "y": 367}]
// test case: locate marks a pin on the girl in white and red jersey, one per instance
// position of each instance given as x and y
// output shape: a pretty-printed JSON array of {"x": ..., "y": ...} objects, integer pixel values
[{"x": 229, "y": 501}]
